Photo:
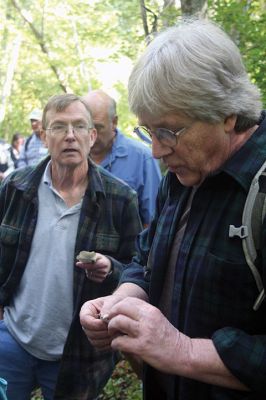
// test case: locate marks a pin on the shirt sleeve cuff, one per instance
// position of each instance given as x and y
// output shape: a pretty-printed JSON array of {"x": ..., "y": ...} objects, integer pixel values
[{"x": 244, "y": 355}]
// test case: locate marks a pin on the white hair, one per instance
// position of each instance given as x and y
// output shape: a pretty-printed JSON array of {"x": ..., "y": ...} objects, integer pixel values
[{"x": 194, "y": 69}]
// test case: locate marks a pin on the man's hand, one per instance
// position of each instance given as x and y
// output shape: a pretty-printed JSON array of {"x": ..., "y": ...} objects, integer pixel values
[
  {"x": 95, "y": 323},
  {"x": 145, "y": 332},
  {"x": 96, "y": 271},
  {"x": 94, "y": 314}
]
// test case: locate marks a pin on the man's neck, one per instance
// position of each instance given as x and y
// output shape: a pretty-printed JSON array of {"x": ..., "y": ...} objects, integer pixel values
[
  {"x": 71, "y": 183},
  {"x": 98, "y": 157}
]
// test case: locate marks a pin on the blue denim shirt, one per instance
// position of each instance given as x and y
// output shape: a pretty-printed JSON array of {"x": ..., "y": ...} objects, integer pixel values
[{"x": 132, "y": 161}]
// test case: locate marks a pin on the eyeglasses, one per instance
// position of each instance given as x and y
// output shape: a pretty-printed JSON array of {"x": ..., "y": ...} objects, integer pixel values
[
  {"x": 62, "y": 130},
  {"x": 165, "y": 136}
]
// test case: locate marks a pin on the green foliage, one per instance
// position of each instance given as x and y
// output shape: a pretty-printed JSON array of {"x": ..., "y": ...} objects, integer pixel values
[
  {"x": 245, "y": 22},
  {"x": 75, "y": 46},
  {"x": 123, "y": 385}
]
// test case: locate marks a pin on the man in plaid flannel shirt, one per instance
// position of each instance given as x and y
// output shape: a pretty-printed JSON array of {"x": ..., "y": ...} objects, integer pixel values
[{"x": 49, "y": 213}]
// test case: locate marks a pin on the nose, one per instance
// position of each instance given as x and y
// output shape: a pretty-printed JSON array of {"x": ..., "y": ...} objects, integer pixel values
[
  {"x": 159, "y": 150},
  {"x": 70, "y": 133}
]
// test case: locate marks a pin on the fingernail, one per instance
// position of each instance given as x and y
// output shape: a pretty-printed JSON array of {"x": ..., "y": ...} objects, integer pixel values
[{"x": 105, "y": 318}]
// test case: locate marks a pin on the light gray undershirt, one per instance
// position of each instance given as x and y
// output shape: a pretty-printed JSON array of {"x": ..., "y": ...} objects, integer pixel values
[{"x": 40, "y": 312}]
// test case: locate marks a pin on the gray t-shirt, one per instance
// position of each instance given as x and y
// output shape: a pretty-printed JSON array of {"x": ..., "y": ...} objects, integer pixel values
[{"x": 40, "y": 313}]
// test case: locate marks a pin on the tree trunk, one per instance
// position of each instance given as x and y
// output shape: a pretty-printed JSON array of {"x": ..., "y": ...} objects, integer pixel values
[
  {"x": 194, "y": 7},
  {"x": 83, "y": 68},
  {"x": 144, "y": 18}
]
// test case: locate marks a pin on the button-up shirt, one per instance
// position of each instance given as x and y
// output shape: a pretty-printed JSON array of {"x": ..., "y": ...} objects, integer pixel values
[{"x": 132, "y": 161}]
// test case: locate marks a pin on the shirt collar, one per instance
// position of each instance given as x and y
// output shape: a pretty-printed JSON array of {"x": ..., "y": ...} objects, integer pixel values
[
  {"x": 119, "y": 149},
  {"x": 244, "y": 164},
  {"x": 47, "y": 175}
]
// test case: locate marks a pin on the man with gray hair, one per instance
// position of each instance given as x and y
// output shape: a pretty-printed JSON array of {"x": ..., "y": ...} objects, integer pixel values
[
  {"x": 49, "y": 214},
  {"x": 185, "y": 305}
]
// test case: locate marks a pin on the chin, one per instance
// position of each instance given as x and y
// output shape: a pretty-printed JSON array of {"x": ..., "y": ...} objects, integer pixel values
[{"x": 189, "y": 180}]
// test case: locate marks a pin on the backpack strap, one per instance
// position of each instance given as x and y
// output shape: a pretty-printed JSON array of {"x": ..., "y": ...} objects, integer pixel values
[
  {"x": 27, "y": 142},
  {"x": 252, "y": 219}
]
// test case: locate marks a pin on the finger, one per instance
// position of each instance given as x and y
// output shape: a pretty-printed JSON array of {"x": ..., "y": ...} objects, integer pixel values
[
  {"x": 89, "y": 317},
  {"x": 101, "y": 343},
  {"x": 83, "y": 265},
  {"x": 132, "y": 307},
  {"x": 97, "y": 279},
  {"x": 124, "y": 325},
  {"x": 96, "y": 334},
  {"x": 126, "y": 344}
]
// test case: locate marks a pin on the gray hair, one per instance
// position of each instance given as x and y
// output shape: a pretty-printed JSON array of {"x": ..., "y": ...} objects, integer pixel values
[
  {"x": 60, "y": 102},
  {"x": 194, "y": 69},
  {"x": 112, "y": 109}
]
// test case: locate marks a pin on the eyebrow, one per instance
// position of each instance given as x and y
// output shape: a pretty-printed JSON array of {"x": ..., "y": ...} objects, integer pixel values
[
  {"x": 99, "y": 126},
  {"x": 59, "y": 121}
]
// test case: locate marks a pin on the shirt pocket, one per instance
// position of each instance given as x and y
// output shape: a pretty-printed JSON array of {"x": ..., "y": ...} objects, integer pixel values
[
  {"x": 107, "y": 243},
  {"x": 231, "y": 289},
  {"x": 9, "y": 236}
]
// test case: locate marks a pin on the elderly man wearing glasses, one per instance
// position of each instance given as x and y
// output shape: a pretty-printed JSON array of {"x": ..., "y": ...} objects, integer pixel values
[
  {"x": 49, "y": 214},
  {"x": 185, "y": 304}
]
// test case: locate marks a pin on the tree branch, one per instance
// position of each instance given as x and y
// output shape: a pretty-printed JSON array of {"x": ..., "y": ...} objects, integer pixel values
[{"x": 40, "y": 39}]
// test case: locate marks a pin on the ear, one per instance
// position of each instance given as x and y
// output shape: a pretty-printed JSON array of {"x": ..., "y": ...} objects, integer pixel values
[
  {"x": 229, "y": 123},
  {"x": 93, "y": 136},
  {"x": 43, "y": 137},
  {"x": 114, "y": 122}
]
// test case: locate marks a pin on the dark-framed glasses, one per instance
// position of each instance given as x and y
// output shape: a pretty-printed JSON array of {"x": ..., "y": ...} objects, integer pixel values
[
  {"x": 165, "y": 136},
  {"x": 63, "y": 129}
]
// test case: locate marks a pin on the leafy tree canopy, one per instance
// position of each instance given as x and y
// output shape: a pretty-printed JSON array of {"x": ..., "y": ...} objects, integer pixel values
[{"x": 50, "y": 47}]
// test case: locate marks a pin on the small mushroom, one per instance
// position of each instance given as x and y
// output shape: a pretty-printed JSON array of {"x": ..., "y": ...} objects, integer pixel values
[{"x": 87, "y": 256}]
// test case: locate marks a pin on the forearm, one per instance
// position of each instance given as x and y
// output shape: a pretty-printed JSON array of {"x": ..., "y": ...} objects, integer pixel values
[{"x": 198, "y": 359}]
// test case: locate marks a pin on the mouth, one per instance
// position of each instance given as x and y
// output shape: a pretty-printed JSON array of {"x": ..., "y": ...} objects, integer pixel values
[{"x": 69, "y": 151}]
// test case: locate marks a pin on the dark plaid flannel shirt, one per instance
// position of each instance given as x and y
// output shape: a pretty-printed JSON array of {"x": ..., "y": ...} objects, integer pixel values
[
  {"x": 109, "y": 222},
  {"x": 214, "y": 290}
]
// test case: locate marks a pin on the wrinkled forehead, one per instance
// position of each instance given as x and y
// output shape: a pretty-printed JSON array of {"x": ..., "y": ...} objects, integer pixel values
[{"x": 76, "y": 111}]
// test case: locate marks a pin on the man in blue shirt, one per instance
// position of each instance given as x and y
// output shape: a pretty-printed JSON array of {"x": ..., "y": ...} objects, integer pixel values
[
  {"x": 34, "y": 149},
  {"x": 126, "y": 158}
]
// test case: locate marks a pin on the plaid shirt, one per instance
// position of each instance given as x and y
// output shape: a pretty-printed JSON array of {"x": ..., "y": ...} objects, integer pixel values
[
  {"x": 214, "y": 289},
  {"x": 109, "y": 222}
]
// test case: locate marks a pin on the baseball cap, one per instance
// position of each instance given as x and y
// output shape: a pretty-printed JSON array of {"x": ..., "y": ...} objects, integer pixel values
[{"x": 36, "y": 114}]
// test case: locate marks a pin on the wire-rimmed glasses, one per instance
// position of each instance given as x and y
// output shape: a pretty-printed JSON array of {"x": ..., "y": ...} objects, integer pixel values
[
  {"x": 165, "y": 136},
  {"x": 63, "y": 129}
]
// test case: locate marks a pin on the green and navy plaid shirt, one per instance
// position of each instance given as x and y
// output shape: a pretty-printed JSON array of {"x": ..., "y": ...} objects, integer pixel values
[
  {"x": 109, "y": 222},
  {"x": 214, "y": 289}
]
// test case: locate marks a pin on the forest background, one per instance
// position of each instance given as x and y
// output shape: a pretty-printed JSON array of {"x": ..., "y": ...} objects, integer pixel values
[{"x": 49, "y": 47}]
